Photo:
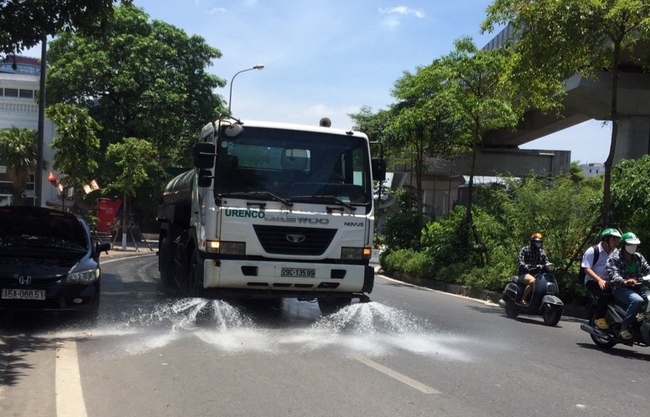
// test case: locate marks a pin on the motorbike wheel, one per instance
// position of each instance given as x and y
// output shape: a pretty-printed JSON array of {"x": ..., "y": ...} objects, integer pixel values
[
  {"x": 552, "y": 314},
  {"x": 601, "y": 342},
  {"x": 511, "y": 309}
]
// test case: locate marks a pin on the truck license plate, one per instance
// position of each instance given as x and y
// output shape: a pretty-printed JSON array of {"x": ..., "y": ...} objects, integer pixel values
[
  {"x": 10, "y": 294},
  {"x": 298, "y": 272}
]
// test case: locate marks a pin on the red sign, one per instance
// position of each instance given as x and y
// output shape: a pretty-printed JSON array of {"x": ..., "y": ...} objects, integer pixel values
[{"x": 106, "y": 210}]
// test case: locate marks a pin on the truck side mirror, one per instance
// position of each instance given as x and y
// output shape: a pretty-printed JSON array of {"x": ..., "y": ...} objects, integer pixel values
[
  {"x": 204, "y": 153},
  {"x": 205, "y": 178},
  {"x": 378, "y": 169}
]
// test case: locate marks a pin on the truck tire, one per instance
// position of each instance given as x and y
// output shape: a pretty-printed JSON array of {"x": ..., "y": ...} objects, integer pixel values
[
  {"x": 166, "y": 265},
  {"x": 330, "y": 305},
  {"x": 195, "y": 275}
]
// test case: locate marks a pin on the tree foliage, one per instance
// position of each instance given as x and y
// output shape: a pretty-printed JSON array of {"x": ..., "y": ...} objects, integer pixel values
[
  {"x": 631, "y": 198},
  {"x": 24, "y": 23},
  {"x": 138, "y": 79},
  {"x": 135, "y": 159},
  {"x": 558, "y": 38},
  {"x": 18, "y": 154},
  {"x": 77, "y": 136}
]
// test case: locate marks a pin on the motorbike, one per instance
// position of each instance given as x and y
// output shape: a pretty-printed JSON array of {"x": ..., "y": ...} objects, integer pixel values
[
  {"x": 544, "y": 299},
  {"x": 640, "y": 328}
]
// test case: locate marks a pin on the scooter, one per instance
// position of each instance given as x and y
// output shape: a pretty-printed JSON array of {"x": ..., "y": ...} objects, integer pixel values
[
  {"x": 543, "y": 300},
  {"x": 640, "y": 328}
]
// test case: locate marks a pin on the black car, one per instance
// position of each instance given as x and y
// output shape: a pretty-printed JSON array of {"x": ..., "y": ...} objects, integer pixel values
[{"x": 48, "y": 262}]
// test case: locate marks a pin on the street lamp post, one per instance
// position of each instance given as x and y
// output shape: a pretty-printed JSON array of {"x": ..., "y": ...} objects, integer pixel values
[{"x": 256, "y": 67}]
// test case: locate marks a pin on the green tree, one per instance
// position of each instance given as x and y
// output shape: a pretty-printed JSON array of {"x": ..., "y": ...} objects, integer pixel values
[
  {"x": 24, "y": 23},
  {"x": 424, "y": 121},
  {"x": 558, "y": 38},
  {"x": 138, "y": 79},
  {"x": 479, "y": 91},
  {"x": 135, "y": 160},
  {"x": 631, "y": 197},
  {"x": 76, "y": 145},
  {"x": 18, "y": 153}
]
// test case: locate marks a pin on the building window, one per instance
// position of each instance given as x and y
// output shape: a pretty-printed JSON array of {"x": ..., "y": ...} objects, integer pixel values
[
  {"x": 11, "y": 92},
  {"x": 26, "y": 93}
]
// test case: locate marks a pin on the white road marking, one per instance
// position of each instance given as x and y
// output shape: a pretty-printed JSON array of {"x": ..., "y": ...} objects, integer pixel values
[
  {"x": 69, "y": 394},
  {"x": 396, "y": 375}
]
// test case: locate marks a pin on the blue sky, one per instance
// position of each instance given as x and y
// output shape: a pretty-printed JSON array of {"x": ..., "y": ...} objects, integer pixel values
[{"x": 330, "y": 57}]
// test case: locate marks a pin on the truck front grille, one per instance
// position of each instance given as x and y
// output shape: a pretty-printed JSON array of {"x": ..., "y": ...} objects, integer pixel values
[{"x": 283, "y": 240}]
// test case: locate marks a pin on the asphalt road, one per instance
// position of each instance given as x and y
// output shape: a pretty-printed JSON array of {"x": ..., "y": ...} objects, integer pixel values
[{"x": 409, "y": 352}]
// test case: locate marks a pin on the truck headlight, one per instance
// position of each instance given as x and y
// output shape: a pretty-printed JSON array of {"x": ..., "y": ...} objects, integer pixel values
[
  {"x": 83, "y": 277},
  {"x": 226, "y": 248},
  {"x": 349, "y": 253}
]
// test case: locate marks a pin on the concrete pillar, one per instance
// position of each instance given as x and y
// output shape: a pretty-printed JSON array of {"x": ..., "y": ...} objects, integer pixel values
[{"x": 633, "y": 140}]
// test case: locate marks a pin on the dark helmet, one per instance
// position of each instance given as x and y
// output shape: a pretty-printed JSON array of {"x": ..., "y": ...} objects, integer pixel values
[{"x": 610, "y": 231}]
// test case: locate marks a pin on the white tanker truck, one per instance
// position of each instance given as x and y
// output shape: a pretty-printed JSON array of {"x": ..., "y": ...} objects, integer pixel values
[{"x": 272, "y": 210}]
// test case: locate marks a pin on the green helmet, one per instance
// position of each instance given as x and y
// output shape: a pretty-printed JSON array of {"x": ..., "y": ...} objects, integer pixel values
[
  {"x": 610, "y": 231},
  {"x": 630, "y": 239}
]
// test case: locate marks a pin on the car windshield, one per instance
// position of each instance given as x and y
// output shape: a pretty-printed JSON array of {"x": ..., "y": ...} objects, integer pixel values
[{"x": 33, "y": 229}]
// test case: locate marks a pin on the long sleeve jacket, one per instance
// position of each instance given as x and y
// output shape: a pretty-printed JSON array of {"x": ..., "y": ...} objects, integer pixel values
[{"x": 619, "y": 269}]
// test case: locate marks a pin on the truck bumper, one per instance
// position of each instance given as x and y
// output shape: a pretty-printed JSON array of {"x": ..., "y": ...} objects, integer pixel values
[{"x": 242, "y": 275}]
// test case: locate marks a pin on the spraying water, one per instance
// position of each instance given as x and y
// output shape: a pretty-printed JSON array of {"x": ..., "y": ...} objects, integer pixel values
[{"x": 371, "y": 329}]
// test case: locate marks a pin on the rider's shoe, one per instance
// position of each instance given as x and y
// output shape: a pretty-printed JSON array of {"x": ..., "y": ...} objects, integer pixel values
[
  {"x": 602, "y": 324},
  {"x": 625, "y": 334}
]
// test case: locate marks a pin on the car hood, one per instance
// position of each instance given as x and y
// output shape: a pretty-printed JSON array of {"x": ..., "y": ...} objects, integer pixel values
[{"x": 38, "y": 266}]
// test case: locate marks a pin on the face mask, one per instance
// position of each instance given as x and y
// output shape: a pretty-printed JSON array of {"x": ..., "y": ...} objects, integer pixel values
[
  {"x": 630, "y": 249},
  {"x": 537, "y": 244}
]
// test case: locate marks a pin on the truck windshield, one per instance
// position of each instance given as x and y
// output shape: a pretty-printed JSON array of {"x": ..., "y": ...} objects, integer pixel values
[{"x": 287, "y": 163}]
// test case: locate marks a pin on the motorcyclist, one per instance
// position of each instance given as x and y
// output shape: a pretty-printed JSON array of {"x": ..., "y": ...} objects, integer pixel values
[
  {"x": 625, "y": 267},
  {"x": 596, "y": 276},
  {"x": 531, "y": 258}
]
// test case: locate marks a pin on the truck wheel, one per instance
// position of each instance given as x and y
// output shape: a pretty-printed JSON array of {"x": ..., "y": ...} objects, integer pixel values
[
  {"x": 166, "y": 265},
  {"x": 330, "y": 305},
  {"x": 195, "y": 276}
]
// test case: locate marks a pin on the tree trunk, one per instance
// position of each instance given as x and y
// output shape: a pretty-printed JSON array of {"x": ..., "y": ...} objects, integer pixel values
[{"x": 607, "y": 193}]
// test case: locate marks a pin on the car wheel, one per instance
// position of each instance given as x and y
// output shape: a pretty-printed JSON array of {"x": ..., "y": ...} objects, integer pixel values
[{"x": 330, "y": 305}]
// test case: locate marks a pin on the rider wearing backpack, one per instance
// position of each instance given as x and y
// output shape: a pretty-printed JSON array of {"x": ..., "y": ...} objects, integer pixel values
[{"x": 594, "y": 270}]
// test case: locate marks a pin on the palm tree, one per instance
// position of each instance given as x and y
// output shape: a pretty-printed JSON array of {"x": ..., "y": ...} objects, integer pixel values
[{"x": 18, "y": 148}]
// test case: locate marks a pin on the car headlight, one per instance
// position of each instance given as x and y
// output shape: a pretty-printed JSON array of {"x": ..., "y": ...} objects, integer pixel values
[{"x": 83, "y": 277}]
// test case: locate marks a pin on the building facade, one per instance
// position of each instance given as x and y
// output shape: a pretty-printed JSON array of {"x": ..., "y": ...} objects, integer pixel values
[{"x": 19, "y": 87}]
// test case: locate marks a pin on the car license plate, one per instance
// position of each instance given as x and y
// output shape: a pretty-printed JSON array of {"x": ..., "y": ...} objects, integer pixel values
[
  {"x": 11, "y": 294},
  {"x": 298, "y": 272}
]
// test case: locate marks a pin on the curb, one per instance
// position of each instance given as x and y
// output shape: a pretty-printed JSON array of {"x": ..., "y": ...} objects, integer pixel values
[{"x": 579, "y": 312}]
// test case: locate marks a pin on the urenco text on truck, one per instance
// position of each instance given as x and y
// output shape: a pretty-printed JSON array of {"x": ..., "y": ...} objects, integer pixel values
[{"x": 272, "y": 210}]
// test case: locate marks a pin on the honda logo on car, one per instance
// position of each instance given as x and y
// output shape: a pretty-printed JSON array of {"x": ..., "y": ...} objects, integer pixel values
[{"x": 24, "y": 280}]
